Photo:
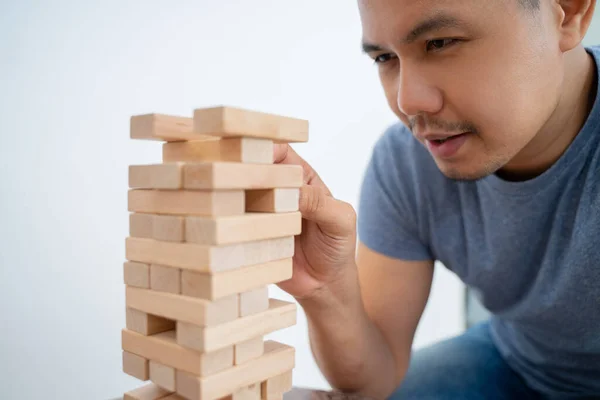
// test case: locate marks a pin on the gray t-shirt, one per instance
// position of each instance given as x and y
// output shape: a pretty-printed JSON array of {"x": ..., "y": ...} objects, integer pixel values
[{"x": 531, "y": 250}]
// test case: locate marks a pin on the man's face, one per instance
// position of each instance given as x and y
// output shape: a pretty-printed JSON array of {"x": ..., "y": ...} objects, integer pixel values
[{"x": 489, "y": 70}]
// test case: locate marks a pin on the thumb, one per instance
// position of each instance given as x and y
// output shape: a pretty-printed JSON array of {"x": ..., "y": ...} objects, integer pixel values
[{"x": 335, "y": 217}]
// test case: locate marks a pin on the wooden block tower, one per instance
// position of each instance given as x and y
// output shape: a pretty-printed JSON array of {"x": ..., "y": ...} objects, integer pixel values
[{"x": 211, "y": 227}]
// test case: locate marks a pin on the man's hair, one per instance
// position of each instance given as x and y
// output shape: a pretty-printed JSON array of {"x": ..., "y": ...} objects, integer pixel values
[{"x": 530, "y": 4}]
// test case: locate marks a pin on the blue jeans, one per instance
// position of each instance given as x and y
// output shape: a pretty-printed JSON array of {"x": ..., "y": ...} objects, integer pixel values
[{"x": 467, "y": 367}]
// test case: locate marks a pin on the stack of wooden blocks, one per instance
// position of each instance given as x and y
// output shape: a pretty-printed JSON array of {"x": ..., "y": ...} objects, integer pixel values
[{"x": 211, "y": 227}]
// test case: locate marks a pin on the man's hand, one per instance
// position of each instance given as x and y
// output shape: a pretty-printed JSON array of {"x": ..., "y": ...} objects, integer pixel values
[{"x": 328, "y": 240}]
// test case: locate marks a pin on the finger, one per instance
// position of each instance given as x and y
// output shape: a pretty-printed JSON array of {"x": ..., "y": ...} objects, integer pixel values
[
  {"x": 284, "y": 154},
  {"x": 333, "y": 216}
]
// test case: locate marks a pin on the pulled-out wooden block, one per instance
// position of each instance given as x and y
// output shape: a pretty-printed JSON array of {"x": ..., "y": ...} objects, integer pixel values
[
  {"x": 223, "y": 175},
  {"x": 163, "y": 348},
  {"x": 136, "y": 274},
  {"x": 212, "y": 286},
  {"x": 156, "y": 176},
  {"x": 276, "y": 385},
  {"x": 276, "y": 200},
  {"x": 226, "y": 121},
  {"x": 242, "y": 228},
  {"x": 243, "y": 150},
  {"x": 276, "y": 359},
  {"x": 165, "y": 279},
  {"x": 150, "y": 391},
  {"x": 280, "y": 315},
  {"x": 182, "y": 308},
  {"x": 254, "y": 301},
  {"x": 146, "y": 324},
  {"x": 189, "y": 202},
  {"x": 164, "y": 127},
  {"x": 248, "y": 350},
  {"x": 136, "y": 366},
  {"x": 162, "y": 375},
  {"x": 208, "y": 258}
]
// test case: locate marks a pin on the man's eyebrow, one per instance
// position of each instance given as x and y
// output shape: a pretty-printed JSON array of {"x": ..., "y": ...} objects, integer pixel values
[{"x": 432, "y": 24}]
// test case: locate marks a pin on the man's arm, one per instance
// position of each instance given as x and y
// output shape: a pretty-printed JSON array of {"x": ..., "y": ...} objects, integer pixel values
[{"x": 362, "y": 326}]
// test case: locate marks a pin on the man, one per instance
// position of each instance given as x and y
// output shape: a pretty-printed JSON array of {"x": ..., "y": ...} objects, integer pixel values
[{"x": 494, "y": 170}]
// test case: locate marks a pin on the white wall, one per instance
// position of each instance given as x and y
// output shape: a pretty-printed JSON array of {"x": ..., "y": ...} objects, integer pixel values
[{"x": 71, "y": 75}]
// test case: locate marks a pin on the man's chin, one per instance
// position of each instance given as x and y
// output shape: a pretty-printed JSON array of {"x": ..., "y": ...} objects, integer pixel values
[{"x": 465, "y": 174}]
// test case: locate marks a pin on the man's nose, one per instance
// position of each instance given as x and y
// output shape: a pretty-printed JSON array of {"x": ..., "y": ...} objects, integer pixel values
[{"x": 416, "y": 94}]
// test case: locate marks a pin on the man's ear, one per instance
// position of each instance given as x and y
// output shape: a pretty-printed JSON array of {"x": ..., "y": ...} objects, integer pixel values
[{"x": 575, "y": 18}]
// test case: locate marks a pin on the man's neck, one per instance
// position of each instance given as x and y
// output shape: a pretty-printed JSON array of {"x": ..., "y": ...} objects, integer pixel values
[{"x": 565, "y": 123}]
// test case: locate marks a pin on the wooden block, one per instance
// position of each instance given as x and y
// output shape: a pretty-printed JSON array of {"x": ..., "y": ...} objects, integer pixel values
[
  {"x": 156, "y": 176},
  {"x": 223, "y": 175},
  {"x": 248, "y": 350},
  {"x": 136, "y": 274},
  {"x": 136, "y": 366},
  {"x": 243, "y": 150},
  {"x": 163, "y": 348},
  {"x": 273, "y": 200},
  {"x": 173, "y": 396},
  {"x": 182, "y": 308},
  {"x": 246, "y": 393},
  {"x": 162, "y": 375},
  {"x": 277, "y": 359},
  {"x": 164, "y": 128},
  {"x": 150, "y": 391},
  {"x": 237, "y": 122},
  {"x": 254, "y": 301},
  {"x": 280, "y": 315},
  {"x": 141, "y": 225},
  {"x": 276, "y": 385},
  {"x": 273, "y": 397},
  {"x": 146, "y": 324},
  {"x": 207, "y": 258},
  {"x": 211, "y": 286},
  {"x": 242, "y": 228},
  {"x": 189, "y": 202},
  {"x": 169, "y": 228},
  {"x": 165, "y": 279}
]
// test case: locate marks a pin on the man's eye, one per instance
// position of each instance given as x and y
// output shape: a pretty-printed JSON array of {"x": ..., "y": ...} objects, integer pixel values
[
  {"x": 438, "y": 44},
  {"x": 382, "y": 58}
]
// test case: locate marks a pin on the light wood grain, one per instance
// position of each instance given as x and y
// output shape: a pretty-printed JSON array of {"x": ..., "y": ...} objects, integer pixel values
[
  {"x": 146, "y": 324},
  {"x": 242, "y": 228},
  {"x": 188, "y": 202},
  {"x": 277, "y": 359},
  {"x": 136, "y": 274},
  {"x": 211, "y": 286},
  {"x": 243, "y": 150},
  {"x": 163, "y": 348},
  {"x": 183, "y": 308},
  {"x": 207, "y": 258},
  {"x": 165, "y": 279},
  {"x": 136, "y": 366},
  {"x": 254, "y": 301},
  {"x": 248, "y": 350},
  {"x": 149, "y": 391},
  {"x": 280, "y": 315},
  {"x": 162, "y": 375},
  {"x": 222, "y": 175},
  {"x": 163, "y": 127},
  {"x": 276, "y": 200},
  {"x": 227, "y": 121}
]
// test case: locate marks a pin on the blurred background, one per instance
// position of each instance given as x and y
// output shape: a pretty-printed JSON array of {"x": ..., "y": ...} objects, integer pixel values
[{"x": 71, "y": 75}]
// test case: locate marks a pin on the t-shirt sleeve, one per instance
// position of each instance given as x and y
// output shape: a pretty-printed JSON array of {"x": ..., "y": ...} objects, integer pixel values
[{"x": 387, "y": 214}]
